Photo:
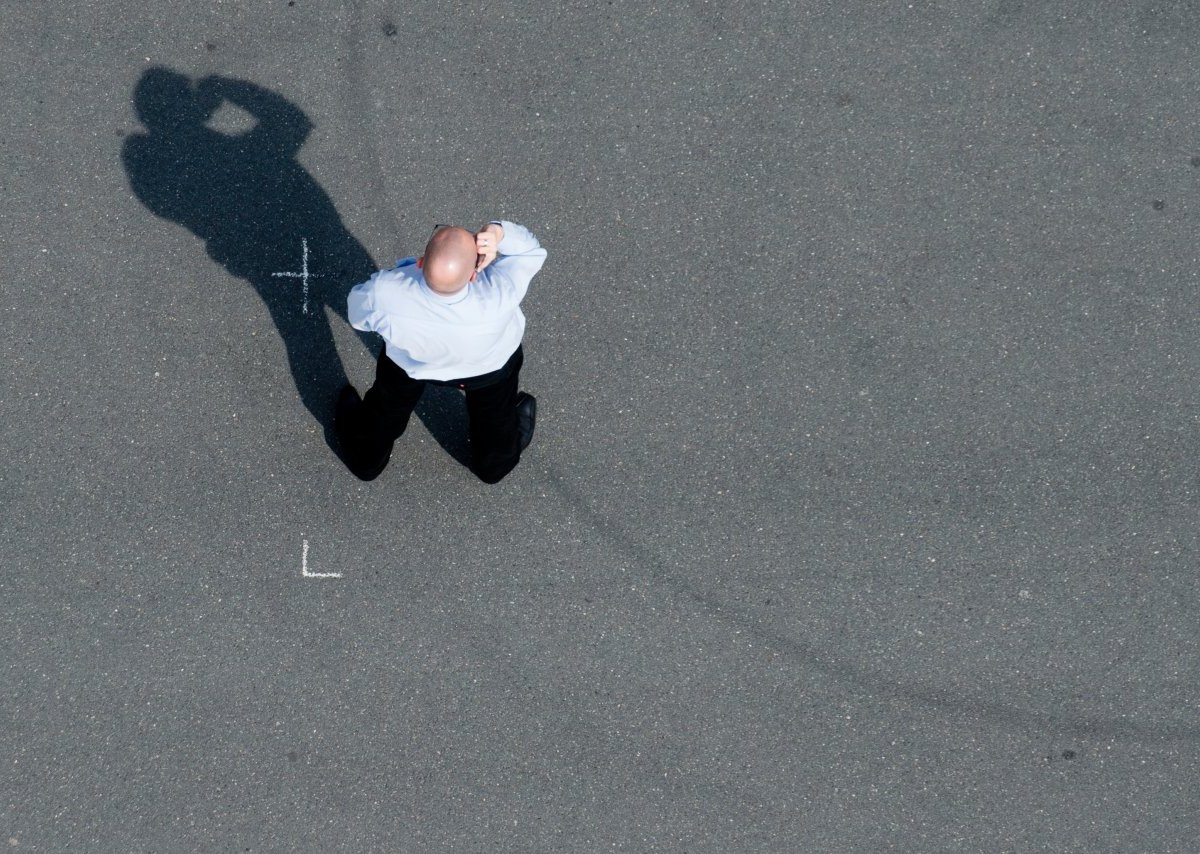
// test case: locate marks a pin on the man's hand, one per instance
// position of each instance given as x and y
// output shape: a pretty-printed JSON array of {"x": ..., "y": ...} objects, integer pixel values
[{"x": 487, "y": 239}]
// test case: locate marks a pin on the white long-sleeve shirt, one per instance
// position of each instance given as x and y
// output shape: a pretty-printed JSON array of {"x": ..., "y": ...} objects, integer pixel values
[{"x": 472, "y": 332}]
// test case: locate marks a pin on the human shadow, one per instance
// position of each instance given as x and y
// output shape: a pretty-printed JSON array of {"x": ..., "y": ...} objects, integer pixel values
[{"x": 261, "y": 214}]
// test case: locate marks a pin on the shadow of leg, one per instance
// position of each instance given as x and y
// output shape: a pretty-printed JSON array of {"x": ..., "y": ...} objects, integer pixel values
[{"x": 313, "y": 360}]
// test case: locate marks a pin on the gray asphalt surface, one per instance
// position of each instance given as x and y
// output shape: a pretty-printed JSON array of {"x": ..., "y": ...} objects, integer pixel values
[{"x": 862, "y": 513}]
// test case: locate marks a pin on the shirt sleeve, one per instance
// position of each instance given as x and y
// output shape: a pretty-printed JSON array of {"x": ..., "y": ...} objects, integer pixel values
[
  {"x": 360, "y": 305},
  {"x": 518, "y": 259}
]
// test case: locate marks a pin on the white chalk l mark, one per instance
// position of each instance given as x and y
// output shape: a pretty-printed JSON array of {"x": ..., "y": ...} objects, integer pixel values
[
  {"x": 303, "y": 275},
  {"x": 304, "y": 567}
]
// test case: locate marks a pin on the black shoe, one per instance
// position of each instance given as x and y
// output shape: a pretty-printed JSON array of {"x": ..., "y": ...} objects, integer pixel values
[
  {"x": 347, "y": 405},
  {"x": 526, "y": 417},
  {"x": 349, "y": 442},
  {"x": 372, "y": 469}
]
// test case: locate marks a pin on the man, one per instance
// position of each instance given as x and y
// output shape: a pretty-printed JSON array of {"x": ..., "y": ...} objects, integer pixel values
[{"x": 451, "y": 317}]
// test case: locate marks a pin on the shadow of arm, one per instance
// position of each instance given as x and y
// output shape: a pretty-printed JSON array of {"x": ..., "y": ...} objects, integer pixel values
[{"x": 281, "y": 124}]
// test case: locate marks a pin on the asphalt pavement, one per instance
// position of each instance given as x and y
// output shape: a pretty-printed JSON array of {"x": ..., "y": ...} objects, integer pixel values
[{"x": 862, "y": 512}]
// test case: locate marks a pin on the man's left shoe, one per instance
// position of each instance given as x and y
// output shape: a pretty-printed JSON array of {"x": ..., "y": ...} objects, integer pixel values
[
  {"x": 526, "y": 417},
  {"x": 348, "y": 403},
  {"x": 350, "y": 447}
]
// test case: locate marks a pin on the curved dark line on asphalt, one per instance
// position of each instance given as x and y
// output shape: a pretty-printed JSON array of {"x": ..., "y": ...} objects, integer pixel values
[
  {"x": 356, "y": 94},
  {"x": 944, "y": 700}
]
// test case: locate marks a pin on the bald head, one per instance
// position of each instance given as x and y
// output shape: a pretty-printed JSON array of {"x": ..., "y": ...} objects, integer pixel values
[{"x": 449, "y": 259}]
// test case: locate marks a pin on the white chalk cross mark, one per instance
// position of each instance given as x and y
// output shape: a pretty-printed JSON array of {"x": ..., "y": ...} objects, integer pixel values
[
  {"x": 304, "y": 567},
  {"x": 304, "y": 275}
]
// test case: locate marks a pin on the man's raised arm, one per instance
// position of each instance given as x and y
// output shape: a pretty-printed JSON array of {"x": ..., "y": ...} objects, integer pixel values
[{"x": 511, "y": 254}]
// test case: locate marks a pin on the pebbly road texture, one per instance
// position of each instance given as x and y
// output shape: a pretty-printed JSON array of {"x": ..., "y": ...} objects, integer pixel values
[{"x": 862, "y": 510}]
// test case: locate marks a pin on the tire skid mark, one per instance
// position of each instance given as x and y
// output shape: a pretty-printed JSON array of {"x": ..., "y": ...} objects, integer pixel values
[{"x": 360, "y": 111}]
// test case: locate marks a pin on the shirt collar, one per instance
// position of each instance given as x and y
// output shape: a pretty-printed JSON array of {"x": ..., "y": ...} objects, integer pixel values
[{"x": 452, "y": 299}]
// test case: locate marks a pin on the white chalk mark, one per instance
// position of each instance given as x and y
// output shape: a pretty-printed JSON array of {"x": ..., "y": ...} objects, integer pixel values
[
  {"x": 304, "y": 567},
  {"x": 303, "y": 275}
]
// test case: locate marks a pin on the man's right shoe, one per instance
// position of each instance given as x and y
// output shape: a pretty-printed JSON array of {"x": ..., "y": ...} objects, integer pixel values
[{"x": 526, "y": 417}]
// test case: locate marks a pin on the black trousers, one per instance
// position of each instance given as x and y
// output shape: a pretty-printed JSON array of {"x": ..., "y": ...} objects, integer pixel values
[{"x": 368, "y": 434}]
